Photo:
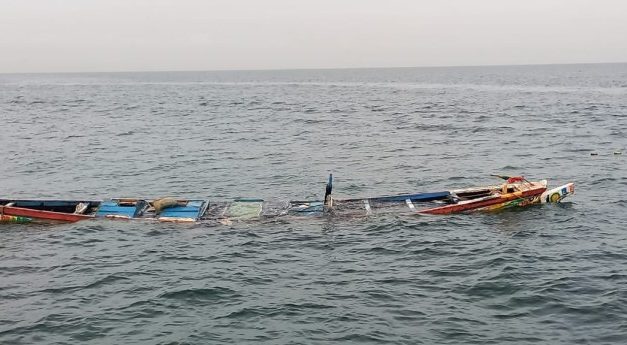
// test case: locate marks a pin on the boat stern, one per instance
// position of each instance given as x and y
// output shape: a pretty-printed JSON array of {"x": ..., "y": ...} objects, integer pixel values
[{"x": 558, "y": 194}]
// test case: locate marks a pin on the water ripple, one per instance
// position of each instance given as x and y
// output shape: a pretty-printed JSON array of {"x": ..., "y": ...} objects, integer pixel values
[{"x": 547, "y": 274}]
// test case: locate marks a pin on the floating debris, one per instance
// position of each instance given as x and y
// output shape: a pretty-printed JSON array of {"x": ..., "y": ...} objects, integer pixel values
[
  {"x": 618, "y": 153},
  {"x": 594, "y": 153}
]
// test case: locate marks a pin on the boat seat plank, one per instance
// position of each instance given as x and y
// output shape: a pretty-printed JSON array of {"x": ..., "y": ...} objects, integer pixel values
[
  {"x": 410, "y": 204},
  {"x": 116, "y": 209},
  {"x": 189, "y": 211},
  {"x": 367, "y": 207}
]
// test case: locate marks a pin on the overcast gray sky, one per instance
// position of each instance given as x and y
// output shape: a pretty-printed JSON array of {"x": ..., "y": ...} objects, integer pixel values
[{"x": 141, "y": 35}]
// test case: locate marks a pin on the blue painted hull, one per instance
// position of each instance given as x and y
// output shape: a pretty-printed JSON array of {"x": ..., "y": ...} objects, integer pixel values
[{"x": 420, "y": 197}]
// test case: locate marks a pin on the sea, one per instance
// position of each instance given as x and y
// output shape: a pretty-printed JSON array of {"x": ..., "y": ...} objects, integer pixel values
[{"x": 547, "y": 274}]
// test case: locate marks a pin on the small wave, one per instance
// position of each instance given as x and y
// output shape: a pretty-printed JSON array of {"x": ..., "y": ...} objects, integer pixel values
[
  {"x": 188, "y": 258},
  {"x": 200, "y": 294},
  {"x": 492, "y": 288},
  {"x": 288, "y": 309},
  {"x": 377, "y": 250},
  {"x": 376, "y": 337},
  {"x": 511, "y": 167},
  {"x": 96, "y": 284},
  {"x": 309, "y": 121}
]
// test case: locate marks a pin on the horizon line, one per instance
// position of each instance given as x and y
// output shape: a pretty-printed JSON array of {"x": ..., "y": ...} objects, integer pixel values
[{"x": 316, "y": 68}]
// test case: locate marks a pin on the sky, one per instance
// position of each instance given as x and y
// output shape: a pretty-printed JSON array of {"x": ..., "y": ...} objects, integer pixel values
[{"x": 174, "y": 35}]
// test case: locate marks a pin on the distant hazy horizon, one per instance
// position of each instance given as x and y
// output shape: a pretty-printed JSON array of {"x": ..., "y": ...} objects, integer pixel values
[
  {"x": 321, "y": 69},
  {"x": 220, "y": 35}
]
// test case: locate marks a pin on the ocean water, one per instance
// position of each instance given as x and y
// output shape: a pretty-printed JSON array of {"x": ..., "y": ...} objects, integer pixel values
[{"x": 551, "y": 274}]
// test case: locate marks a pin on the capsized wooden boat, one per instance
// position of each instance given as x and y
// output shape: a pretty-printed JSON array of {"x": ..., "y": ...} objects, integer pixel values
[
  {"x": 25, "y": 211},
  {"x": 515, "y": 192}
]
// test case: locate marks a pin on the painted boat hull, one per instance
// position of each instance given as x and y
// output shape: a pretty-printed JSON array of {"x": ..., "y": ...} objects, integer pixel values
[
  {"x": 554, "y": 195},
  {"x": 14, "y": 219},
  {"x": 485, "y": 202},
  {"x": 43, "y": 215},
  {"x": 557, "y": 194}
]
